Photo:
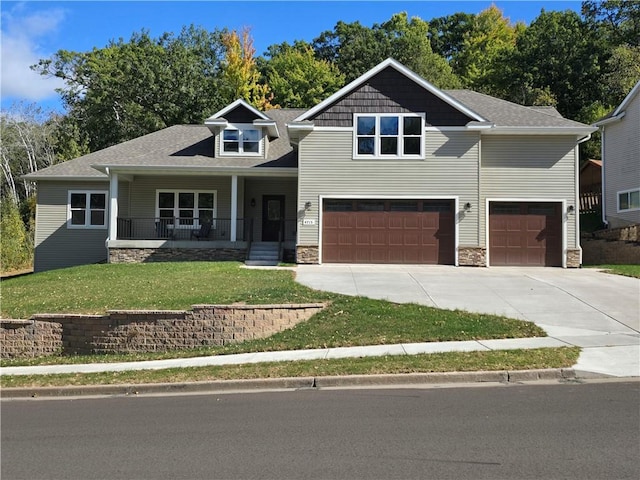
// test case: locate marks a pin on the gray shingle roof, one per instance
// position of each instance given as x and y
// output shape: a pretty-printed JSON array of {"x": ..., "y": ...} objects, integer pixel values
[
  {"x": 189, "y": 146},
  {"x": 506, "y": 114}
]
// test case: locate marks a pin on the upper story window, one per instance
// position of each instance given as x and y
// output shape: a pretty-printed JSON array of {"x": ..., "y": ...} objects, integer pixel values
[
  {"x": 87, "y": 209},
  {"x": 629, "y": 200},
  {"x": 389, "y": 135},
  {"x": 241, "y": 140}
]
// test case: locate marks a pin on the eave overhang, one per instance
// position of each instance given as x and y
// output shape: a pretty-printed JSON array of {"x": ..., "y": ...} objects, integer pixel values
[
  {"x": 578, "y": 131},
  {"x": 197, "y": 170}
]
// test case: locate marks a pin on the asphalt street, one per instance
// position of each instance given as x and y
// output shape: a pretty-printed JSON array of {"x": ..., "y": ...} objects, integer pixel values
[{"x": 569, "y": 431}]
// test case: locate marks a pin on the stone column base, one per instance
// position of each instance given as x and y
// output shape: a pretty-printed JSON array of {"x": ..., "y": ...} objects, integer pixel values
[
  {"x": 573, "y": 258},
  {"x": 472, "y": 256},
  {"x": 309, "y": 254}
]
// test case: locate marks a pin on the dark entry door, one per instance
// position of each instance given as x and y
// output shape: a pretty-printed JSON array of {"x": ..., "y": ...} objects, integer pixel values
[{"x": 272, "y": 216}]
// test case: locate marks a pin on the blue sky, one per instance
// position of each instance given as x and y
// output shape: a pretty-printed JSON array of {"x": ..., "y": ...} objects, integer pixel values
[{"x": 31, "y": 30}]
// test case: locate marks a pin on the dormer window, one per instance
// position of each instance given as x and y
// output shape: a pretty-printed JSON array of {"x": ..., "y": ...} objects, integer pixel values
[
  {"x": 388, "y": 136},
  {"x": 241, "y": 140}
]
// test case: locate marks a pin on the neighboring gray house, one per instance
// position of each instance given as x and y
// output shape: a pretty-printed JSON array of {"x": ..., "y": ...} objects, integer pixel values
[
  {"x": 621, "y": 162},
  {"x": 389, "y": 169}
]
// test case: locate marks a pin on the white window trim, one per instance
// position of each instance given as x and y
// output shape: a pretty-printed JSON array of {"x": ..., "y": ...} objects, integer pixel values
[
  {"x": 377, "y": 155},
  {"x": 618, "y": 200},
  {"x": 241, "y": 153},
  {"x": 176, "y": 207},
  {"x": 87, "y": 209}
]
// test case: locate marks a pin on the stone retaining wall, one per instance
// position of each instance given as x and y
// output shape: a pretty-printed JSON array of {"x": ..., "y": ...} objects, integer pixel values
[
  {"x": 126, "y": 331},
  {"x": 139, "y": 255},
  {"x": 29, "y": 338},
  {"x": 610, "y": 252}
]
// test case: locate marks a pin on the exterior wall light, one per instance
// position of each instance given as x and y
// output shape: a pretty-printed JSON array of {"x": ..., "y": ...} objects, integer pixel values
[
  {"x": 307, "y": 205},
  {"x": 253, "y": 202},
  {"x": 467, "y": 207},
  {"x": 571, "y": 209}
]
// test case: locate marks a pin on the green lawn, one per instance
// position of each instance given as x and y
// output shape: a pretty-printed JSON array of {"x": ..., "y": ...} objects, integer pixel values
[
  {"x": 436, "y": 362},
  {"x": 626, "y": 270},
  {"x": 347, "y": 321}
]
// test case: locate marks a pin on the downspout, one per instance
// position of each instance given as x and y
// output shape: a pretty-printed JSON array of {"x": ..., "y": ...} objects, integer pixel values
[{"x": 602, "y": 182}]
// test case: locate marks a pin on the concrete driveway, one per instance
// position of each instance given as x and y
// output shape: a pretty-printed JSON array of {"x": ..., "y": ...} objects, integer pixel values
[{"x": 583, "y": 307}]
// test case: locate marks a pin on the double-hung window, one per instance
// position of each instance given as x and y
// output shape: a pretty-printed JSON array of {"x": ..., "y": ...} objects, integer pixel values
[
  {"x": 188, "y": 207},
  {"x": 241, "y": 140},
  {"x": 389, "y": 135},
  {"x": 629, "y": 200},
  {"x": 87, "y": 209}
]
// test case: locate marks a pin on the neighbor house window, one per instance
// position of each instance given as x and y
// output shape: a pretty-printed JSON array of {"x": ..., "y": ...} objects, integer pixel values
[
  {"x": 388, "y": 136},
  {"x": 629, "y": 200},
  {"x": 87, "y": 209},
  {"x": 187, "y": 207},
  {"x": 241, "y": 140}
]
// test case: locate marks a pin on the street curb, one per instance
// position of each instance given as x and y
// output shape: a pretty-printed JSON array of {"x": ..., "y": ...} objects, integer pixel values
[{"x": 296, "y": 383}]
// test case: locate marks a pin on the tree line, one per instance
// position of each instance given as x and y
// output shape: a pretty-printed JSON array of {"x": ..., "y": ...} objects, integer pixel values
[{"x": 581, "y": 63}]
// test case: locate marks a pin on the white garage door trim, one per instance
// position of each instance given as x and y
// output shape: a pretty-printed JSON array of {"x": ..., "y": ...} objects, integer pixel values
[
  {"x": 322, "y": 198},
  {"x": 534, "y": 199}
]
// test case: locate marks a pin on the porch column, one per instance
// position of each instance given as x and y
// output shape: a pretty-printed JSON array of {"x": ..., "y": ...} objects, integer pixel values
[
  {"x": 234, "y": 207},
  {"x": 113, "y": 206}
]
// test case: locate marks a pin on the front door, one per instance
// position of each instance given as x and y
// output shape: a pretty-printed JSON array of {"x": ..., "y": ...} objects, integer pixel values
[{"x": 272, "y": 217}]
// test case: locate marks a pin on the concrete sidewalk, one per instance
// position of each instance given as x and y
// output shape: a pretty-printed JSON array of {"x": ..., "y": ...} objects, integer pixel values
[
  {"x": 293, "y": 355},
  {"x": 583, "y": 307}
]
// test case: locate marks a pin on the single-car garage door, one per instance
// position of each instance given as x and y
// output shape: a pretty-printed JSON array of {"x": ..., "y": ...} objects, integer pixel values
[
  {"x": 388, "y": 231},
  {"x": 525, "y": 234}
]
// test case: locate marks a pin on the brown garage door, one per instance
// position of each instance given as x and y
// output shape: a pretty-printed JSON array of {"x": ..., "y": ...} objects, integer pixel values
[
  {"x": 525, "y": 234},
  {"x": 388, "y": 231}
]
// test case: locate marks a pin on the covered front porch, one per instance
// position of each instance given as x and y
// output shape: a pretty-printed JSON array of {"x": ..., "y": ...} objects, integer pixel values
[{"x": 160, "y": 217}]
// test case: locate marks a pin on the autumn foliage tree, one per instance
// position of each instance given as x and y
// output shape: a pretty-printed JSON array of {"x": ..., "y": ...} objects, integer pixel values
[{"x": 240, "y": 74}]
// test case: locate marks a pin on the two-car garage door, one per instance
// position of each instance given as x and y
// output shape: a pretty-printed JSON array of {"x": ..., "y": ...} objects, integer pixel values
[
  {"x": 423, "y": 232},
  {"x": 388, "y": 231}
]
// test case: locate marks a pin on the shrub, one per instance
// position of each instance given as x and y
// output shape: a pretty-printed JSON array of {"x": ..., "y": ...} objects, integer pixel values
[{"x": 16, "y": 250}]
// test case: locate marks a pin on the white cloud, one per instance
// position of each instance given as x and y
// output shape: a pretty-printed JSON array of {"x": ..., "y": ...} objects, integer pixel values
[{"x": 22, "y": 34}]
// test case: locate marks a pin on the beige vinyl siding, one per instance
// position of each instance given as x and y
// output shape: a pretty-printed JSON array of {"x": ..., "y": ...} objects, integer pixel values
[
  {"x": 123, "y": 198},
  {"x": 143, "y": 192},
  {"x": 622, "y": 163},
  {"x": 529, "y": 167},
  {"x": 57, "y": 246},
  {"x": 327, "y": 168}
]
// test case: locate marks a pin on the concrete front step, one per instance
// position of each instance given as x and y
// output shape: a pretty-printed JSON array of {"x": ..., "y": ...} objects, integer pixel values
[
  {"x": 262, "y": 263},
  {"x": 264, "y": 253}
]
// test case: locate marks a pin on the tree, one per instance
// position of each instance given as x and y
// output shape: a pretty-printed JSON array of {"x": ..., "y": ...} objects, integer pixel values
[
  {"x": 356, "y": 49},
  {"x": 352, "y": 47},
  {"x": 297, "y": 78},
  {"x": 240, "y": 74},
  {"x": 557, "y": 54},
  {"x": 622, "y": 72},
  {"x": 489, "y": 38},
  {"x": 128, "y": 89},
  {"x": 446, "y": 34},
  {"x": 620, "y": 20},
  {"x": 28, "y": 145}
]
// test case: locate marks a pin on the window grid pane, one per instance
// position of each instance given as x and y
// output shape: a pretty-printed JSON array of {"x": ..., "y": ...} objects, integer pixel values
[{"x": 78, "y": 200}]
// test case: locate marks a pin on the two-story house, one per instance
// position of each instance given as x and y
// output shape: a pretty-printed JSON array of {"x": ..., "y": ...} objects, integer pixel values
[
  {"x": 621, "y": 162},
  {"x": 389, "y": 169}
]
